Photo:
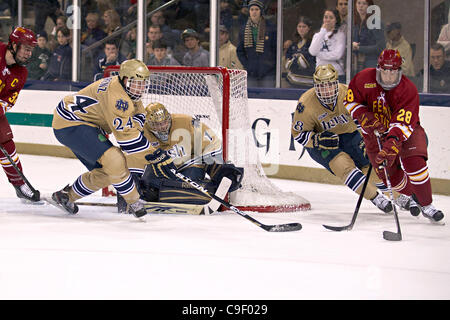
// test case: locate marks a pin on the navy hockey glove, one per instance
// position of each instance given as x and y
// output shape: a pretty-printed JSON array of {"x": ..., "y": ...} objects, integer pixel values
[{"x": 326, "y": 140}]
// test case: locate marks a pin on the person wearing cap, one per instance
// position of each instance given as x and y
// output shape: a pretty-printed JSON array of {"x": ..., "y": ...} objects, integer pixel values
[
  {"x": 227, "y": 51},
  {"x": 397, "y": 42},
  {"x": 257, "y": 47},
  {"x": 13, "y": 58},
  {"x": 196, "y": 56},
  {"x": 38, "y": 64}
]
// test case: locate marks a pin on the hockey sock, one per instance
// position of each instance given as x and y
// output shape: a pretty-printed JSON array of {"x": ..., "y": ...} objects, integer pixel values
[{"x": 13, "y": 177}]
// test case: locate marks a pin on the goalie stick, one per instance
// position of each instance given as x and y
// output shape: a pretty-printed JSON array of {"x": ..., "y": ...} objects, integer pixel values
[
  {"x": 389, "y": 235},
  {"x": 270, "y": 228},
  {"x": 19, "y": 172},
  {"x": 358, "y": 204}
]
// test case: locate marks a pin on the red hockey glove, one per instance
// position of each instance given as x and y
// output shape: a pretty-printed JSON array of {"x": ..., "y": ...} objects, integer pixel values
[
  {"x": 390, "y": 151},
  {"x": 369, "y": 123}
]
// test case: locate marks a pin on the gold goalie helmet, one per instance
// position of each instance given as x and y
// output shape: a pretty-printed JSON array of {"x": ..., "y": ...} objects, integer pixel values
[
  {"x": 137, "y": 75},
  {"x": 159, "y": 120},
  {"x": 326, "y": 84}
]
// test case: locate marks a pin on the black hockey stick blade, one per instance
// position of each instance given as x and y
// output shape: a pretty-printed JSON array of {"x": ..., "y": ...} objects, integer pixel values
[
  {"x": 271, "y": 228},
  {"x": 333, "y": 228},
  {"x": 283, "y": 227},
  {"x": 358, "y": 204},
  {"x": 392, "y": 236}
]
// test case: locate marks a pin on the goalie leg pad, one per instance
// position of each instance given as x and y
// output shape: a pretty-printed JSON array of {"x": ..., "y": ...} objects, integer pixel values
[
  {"x": 179, "y": 192},
  {"x": 217, "y": 171}
]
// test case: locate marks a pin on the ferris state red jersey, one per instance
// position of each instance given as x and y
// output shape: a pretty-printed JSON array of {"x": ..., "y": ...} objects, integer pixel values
[
  {"x": 397, "y": 109},
  {"x": 12, "y": 80}
]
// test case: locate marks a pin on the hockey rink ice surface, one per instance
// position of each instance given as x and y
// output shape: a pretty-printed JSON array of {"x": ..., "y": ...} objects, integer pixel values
[{"x": 100, "y": 254}]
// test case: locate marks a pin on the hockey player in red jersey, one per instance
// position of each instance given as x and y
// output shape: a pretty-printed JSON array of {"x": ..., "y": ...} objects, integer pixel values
[
  {"x": 382, "y": 99},
  {"x": 13, "y": 74}
]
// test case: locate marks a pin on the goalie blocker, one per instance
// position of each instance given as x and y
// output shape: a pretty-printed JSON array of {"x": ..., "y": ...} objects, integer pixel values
[{"x": 158, "y": 183}]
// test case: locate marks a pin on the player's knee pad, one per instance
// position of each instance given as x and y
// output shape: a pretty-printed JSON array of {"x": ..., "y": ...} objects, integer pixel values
[
  {"x": 217, "y": 171},
  {"x": 114, "y": 163}
]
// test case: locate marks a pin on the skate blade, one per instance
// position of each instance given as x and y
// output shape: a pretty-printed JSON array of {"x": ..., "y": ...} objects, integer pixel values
[
  {"x": 50, "y": 201},
  {"x": 36, "y": 203}
]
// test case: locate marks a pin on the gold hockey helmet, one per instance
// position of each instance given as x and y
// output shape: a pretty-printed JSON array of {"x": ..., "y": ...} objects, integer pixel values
[
  {"x": 159, "y": 120},
  {"x": 326, "y": 84},
  {"x": 137, "y": 75}
]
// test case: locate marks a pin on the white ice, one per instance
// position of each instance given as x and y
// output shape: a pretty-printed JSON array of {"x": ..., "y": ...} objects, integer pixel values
[{"x": 100, "y": 254}]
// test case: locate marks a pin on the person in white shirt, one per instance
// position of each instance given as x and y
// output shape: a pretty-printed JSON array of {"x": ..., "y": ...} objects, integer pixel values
[{"x": 328, "y": 45}]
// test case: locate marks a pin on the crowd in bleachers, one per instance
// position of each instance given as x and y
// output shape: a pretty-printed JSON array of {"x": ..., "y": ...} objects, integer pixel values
[{"x": 179, "y": 35}]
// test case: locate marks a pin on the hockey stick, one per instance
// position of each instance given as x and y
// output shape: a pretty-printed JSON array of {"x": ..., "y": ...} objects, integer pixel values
[
  {"x": 270, "y": 228},
  {"x": 358, "y": 204},
  {"x": 20, "y": 172},
  {"x": 389, "y": 235}
]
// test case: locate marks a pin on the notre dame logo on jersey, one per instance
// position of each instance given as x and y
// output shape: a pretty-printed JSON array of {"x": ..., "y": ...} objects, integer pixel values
[{"x": 122, "y": 105}]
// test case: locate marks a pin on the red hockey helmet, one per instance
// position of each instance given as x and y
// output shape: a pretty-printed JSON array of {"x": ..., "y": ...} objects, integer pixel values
[
  {"x": 22, "y": 35},
  {"x": 389, "y": 69},
  {"x": 390, "y": 59}
]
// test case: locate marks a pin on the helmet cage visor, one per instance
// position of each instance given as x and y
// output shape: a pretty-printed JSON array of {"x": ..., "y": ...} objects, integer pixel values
[
  {"x": 327, "y": 92},
  {"x": 135, "y": 88},
  {"x": 160, "y": 126}
]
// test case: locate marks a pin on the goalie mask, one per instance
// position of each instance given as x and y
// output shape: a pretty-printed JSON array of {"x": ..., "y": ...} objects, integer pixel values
[
  {"x": 159, "y": 121},
  {"x": 137, "y": 75},
  {"x": 326, "y": 85},
  {"x": 389, "y": 71}
]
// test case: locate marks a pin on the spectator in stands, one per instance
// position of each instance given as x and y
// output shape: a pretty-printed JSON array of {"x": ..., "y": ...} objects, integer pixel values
[
  {"x": 227, "y": 51},
  {"x": 299, "y": 62},
  {"x": 342, "y": 8},
  {"x": 444, "y": 37},
  {"x": 160, "y": 57},
  {"x": 61, "y": 21},
  {"x": 439, "y": 71},
  {"x": 93, "y": 33},
  {"x": 170, "y": 36},
  {"x": 38, "y": 64},
  {"x": 44, "y": 9},
  {"x": 112, "y": 23},
  {"x": 397, "y": 42},
  {"x": 128, "y": 46},
  {"x": 328, "y": 45},
  {"x": 257, "y": 47},
  {"x": 196, "y": 56},
  {"x": 60, "y": 66},
  {"x": 110, "y": 57},
  {"x": 367, "y": 43}
]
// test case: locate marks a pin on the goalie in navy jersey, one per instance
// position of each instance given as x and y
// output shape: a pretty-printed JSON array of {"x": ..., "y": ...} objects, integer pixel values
[
  {"x": 322, "y": 125},
  {"x": 187, "y": 145},
  {"x": 382, "y": 99}
]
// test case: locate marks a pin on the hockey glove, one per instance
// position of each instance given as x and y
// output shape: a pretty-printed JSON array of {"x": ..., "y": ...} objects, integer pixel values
[
  {"x": 217, "y": 171},
  {"x": 161, "y": 164},
  {"x": 390, "y": 151},
  {"x": 326, "y": 140},
  {"x": 369, "y": 123}
]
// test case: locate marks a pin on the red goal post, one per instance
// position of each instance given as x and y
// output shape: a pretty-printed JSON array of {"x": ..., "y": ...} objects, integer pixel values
[{"x": 218, "y": 96}]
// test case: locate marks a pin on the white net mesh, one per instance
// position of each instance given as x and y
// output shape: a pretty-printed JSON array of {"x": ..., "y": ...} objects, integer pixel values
[{"x": 201, "y": 93}]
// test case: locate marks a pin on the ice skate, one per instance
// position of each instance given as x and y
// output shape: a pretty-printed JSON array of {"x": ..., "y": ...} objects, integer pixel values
[
  {"x": 435, "y": 215},
  {"x": 137, "y": 209},
  {"x": 24, "y": 192},
  {"x": 408, "y": 204},
  {"x": 61, "y": 200},
  {"x": 382, "y": 203}
]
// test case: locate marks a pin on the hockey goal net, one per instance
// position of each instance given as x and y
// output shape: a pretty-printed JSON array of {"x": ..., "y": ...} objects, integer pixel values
[{"x": 218, "y": 97}]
